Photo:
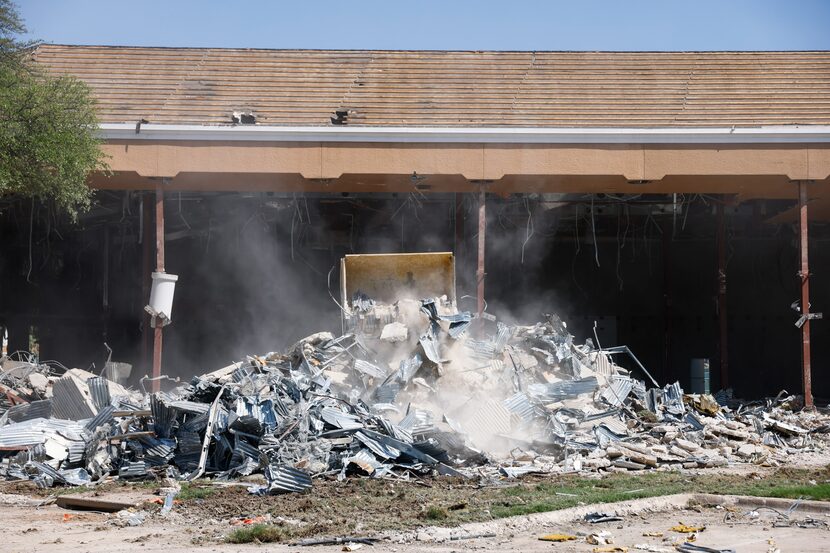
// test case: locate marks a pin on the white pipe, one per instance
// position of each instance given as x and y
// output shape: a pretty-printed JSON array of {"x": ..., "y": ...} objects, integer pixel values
[{"x": 800, "y": 134}]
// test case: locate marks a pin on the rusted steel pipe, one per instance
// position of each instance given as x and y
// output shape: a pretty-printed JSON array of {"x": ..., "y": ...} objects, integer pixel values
[
  {"x": 804, "y": 273},
  {"x": 157, "y": 338}
]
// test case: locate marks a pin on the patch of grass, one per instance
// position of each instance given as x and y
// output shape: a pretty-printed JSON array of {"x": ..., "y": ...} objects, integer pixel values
[
  {"x": 259, "y": 533},
  {"x": 565, "y": 492},
  {"x": 819, "y": 492},
  {"x": 190, "y": 491},
  {"x": 436, "y": 513},
  {"x": 572, "y": 491}
]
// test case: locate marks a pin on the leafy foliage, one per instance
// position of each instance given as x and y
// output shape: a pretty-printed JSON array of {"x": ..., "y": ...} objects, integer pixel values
[{"x": 48, "y": 142}]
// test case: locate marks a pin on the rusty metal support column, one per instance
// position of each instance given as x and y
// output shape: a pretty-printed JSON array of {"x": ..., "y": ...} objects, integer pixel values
[
  {"x": 723, "y": 352},
  {"x": 157, "y": 341},
  {"x": 804, "y": 274},
  {"x": 482, "y": 228}
]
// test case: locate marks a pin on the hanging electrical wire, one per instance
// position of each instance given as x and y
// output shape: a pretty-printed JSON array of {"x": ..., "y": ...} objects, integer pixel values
[
  {"x": 576, "y": 251},
  {"x": 31, "y": 230},
  {"x": 528, "y": 228},
  {"x": 594, "y": 232}
]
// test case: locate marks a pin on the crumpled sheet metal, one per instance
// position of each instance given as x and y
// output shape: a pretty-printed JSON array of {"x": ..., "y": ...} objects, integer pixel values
[
  {"x": 69, "y": 401},
  {"x": 41, "y": 409},
  {"x": 556, "y": 391},
  {"x": 328, "y": 406},
  {"x": 520, "y": 405},
  {"x": 99, "y": 392},
  {"x": 283, "y": 479},
  {"x": 618, "y": 391}
]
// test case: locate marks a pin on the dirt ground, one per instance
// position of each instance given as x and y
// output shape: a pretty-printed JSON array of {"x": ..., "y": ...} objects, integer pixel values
[
  {"x": 424, "y": 515},
  {"x": 28, "y": 528}
]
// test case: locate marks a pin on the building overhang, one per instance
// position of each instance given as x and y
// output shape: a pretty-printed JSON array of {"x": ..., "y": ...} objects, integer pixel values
[
  {"x": 747, "y": 162},
  {"x": 789, "y": 134}
]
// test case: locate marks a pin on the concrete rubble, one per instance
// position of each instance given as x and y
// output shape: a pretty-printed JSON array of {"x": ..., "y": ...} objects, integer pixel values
[{"x": 413, "y": 388}]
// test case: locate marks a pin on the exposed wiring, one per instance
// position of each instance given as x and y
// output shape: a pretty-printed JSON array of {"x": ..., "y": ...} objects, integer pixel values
[
  {"x": 528, "y": 229},
  {"x": 31, "y": 230},
  {"x": 686, "y": 207},
  {"x": 576, "y": 252},
  {"x": 328, "y": 287},
  {"x": 181, "y": 214},
  {"x": 293, "y": 217},
  {"x": 674, "y": 215},
  {"x": 599, "y": 346},
  {"x": 594, "y": 232}
]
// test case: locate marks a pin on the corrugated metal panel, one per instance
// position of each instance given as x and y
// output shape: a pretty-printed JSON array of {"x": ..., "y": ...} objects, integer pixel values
[
  {"x": 99, "y": 391},
  {"x": 417, "y": 421},
  {"x": 245, "y": 449},
  {"x": 502, "y": 337},
  {"x": 563, "y": 389},
  {"x": 480, "y": 349},
  {"x": 27, "y": 411},
  {"x": 365, "y": 460},
  {"x": 520, "y": 405},
  {"x": 617, "y": 392},
  {"x": 163, "y": 416},
  {"x": 339, "y": 419},
  {"x": 461, "y": 89},
  {"x": 490, "y": 418},
  {"x": 368, "y": 368},
  {"x": 69, "y": 401},
  {"x": 378, "y": 448},
  {"x": 262, "y": 410},
  {"x": 132, "y": 469},
  {"x": 103, "y": 417},
  {"x": 36, "y": 431},
  {"x": 189, "y": 406},
  {"x": 282, "y": 478}
]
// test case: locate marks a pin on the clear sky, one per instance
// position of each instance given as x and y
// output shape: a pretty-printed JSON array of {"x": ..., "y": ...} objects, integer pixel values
[{"x": 437, "y": 24}]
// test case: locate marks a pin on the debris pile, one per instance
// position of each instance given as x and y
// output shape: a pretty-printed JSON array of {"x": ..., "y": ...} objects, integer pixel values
[{"x": 413, "y": 388}]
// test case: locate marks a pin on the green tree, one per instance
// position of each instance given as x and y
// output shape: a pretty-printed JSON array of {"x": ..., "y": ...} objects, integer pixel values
[{"x": 48, "y": 141}]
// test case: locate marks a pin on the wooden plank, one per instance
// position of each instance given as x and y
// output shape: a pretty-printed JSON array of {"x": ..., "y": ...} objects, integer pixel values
[{"x": 81, "y": 503}]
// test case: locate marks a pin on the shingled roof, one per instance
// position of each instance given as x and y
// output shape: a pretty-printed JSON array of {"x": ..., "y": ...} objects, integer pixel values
[{"x": 451, "y": 89}]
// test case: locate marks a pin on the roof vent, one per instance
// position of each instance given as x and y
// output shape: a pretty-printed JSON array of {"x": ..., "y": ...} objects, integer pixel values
[
  {"x": 243, "y": 118},
  {"x": 341, "y": 116}
]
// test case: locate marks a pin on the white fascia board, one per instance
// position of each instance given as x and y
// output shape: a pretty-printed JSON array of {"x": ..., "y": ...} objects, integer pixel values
[{"x": 471, "y": 135}]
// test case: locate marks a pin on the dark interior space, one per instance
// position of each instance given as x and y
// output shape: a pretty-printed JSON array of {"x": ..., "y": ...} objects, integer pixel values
[{"x": 259, "y": 271}]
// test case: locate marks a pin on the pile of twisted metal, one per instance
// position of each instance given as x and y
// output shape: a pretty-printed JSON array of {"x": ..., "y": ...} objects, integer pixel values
[{"x": 413, "y": 388}]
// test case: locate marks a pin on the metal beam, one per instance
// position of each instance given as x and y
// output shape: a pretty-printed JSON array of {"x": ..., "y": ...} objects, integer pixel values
[
  {"x": 157, "y": 341},
  {"x": 482, "y": 228},
  {"x": 804, "y": 274}
]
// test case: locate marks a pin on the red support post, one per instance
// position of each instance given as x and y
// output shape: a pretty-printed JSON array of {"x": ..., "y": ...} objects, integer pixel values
[
  {"x": 157, "y": 342},
  {"x": 804, "y": 274}
]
